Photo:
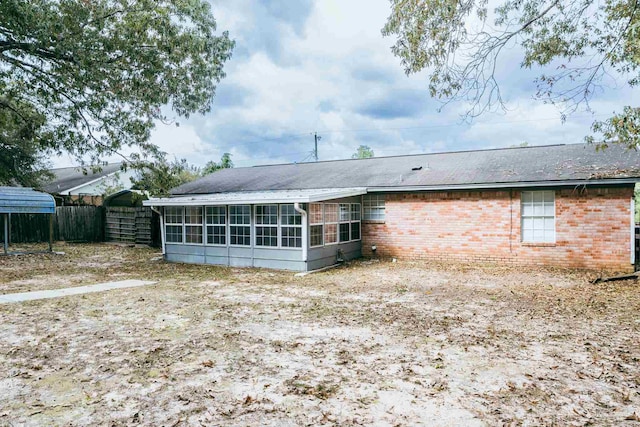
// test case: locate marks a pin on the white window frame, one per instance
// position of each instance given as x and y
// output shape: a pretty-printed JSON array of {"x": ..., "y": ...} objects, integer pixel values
[
  {"x": 174, "y": 224},
  {"x": 225, "y": 225},
  {"x": 350, "y": 221},
  {"x": 314, "y": 223},
  {"x": 239, "y": 225},
  {"x": 374, "y": 207},
  {"x": 354, "y": 221},
  {"x": 536, "y": 212},
  {"x": 283, "y": 226},
  {"x": 336, "y": 223},
  {"x": 256, "y": 225},
  {"x": 194, "y": 224}
]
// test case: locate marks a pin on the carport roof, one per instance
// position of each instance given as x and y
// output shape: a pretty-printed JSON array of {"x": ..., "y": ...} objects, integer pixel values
[
  {"x": 25, "y": 200},
  {"x": 258, "y": 197}
]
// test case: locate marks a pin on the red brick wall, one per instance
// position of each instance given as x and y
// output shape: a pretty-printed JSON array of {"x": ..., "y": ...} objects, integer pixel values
[{"x": 592, "y": 228}]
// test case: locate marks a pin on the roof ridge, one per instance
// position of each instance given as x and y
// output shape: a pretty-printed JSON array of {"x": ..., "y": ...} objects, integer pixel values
[{"x": 416, "y": 155}]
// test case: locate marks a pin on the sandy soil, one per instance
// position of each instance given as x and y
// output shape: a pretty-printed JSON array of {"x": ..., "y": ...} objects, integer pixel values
[{"x": 373, "y": 343}]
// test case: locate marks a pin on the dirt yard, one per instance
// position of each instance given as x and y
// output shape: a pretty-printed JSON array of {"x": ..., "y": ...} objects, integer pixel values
[{"x": 371, "y": 343}]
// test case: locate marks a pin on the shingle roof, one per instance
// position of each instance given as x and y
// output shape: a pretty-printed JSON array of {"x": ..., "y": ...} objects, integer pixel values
[
  {"x": 495, "y": 167},
  {"x": 68, "y": 178}
]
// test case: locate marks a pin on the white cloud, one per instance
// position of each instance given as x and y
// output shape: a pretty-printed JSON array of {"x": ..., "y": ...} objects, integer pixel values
[{"x": 324, "y": 66}]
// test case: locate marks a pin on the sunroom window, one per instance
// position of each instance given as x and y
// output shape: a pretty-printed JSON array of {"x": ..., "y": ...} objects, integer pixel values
[
  {"x": 193, "y": 224},
  {"x": 240, "y": 225},
  {"x": 173, "y": 224},
  {"x": 216, "y": 219},
  {"x": 291, "y": 227},
  {"x": 267, "y": 225},
  {"x": 316, "y": 224}
]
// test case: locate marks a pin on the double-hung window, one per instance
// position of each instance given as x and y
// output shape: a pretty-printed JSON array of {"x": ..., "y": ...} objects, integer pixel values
[
  {"x": 290, "y": 227},
  {"x": 316, "y": 224},
  {"x": 538, "y": 217},
  {"x": 349, "y": 222},
  {"x": 345, "y": 222},
  {"x": 356, "y": 216},
  {"x": 330, "y": 223},
  {"x": 240, "y": 225},
  {"x": 173, "y": 218},
  {"x": 216, "y": 219},
  {"x": 267, "y": 225},
  {"x": 374, "y": 207},
  {"x": 193, "y": 224}
]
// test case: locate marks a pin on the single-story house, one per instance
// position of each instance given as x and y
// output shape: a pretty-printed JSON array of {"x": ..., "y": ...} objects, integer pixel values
[
  {"x": 557, "y": 205},
  {"x": 73, "y": 185}
]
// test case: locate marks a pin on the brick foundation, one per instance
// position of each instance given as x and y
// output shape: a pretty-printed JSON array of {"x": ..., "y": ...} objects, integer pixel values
[{"x": 592, "y": 228}]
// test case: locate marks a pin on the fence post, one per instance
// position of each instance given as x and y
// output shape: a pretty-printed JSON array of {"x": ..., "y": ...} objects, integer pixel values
[
  {"x": 51, "y": 232},
  {"x": 6, "y": 233}
]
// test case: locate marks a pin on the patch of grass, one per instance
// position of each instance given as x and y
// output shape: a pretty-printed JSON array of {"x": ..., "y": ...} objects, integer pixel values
[{"x": 322, "y": 390}]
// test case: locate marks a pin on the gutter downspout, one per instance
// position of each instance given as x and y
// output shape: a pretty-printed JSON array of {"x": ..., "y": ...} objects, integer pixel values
[
  {"x": 162, "y": 231},
  {"x": 305, "y": 231}
]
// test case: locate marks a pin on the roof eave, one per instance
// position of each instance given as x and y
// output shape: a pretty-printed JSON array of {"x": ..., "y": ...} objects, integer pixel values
[
  {"x": 93, "y": 181},
  {"x": 200, "y": 200},
  {"x": 505, "y": 185}
]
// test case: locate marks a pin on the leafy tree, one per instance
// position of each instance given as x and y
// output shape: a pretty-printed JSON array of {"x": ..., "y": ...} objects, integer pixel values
[
  {"x": 363, "y": 152},
  {"x": 159, "y": 177},
  {"x": 578, "y": 41},
  {"x": 211, "y": 166},
  {"x": 95, "y": 76},
  {"x": 22, "y": 161}
]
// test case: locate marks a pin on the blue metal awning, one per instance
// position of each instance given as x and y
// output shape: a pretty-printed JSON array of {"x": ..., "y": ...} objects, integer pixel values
[{"x": 15, "y": 200}]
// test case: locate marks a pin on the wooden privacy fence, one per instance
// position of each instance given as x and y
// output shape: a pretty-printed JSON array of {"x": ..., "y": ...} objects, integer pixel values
[
  {"x": 71, "y": 224},
  {"x": 132, "y": 225}
]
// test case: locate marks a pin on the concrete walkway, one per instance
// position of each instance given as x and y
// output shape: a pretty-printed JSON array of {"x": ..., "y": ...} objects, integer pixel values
[{"x": 56, "y": 293}]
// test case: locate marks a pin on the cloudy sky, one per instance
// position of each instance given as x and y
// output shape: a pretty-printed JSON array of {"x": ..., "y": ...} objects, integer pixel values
[{"x": 322, "y": 66}]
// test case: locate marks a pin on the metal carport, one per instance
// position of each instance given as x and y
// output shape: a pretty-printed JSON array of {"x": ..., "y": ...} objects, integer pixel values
[{"x": 17, "y": 200}]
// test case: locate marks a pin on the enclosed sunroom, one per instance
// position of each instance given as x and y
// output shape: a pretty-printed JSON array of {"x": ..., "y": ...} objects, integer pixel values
[{"x": 300, "y": 230}]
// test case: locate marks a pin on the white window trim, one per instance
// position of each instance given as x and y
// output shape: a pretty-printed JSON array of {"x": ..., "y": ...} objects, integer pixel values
[
  {"x": 522, "y": 218},
  {"x": 276, "y": 226},
  {"x": 166, "y": 224},
  {"x": 321, "y": 224},
  {"x": 325, "y": 223},
  {"x": 367, "y": 205},
  {"x": 281, "y": 226},
  {"x": 251, "y": 231},
  {"x": 185, "y": 225},
  {"x": 226, "y": 227},
  {"x": 350, "y": 221}
]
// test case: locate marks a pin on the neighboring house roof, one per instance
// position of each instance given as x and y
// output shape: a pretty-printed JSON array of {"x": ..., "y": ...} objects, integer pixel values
[
  {"x": 68, "y": 179},
  {"x": 258, "y": 197},
  {"x": 494, "y": 168},
  {"x": 25, "y": 200}
]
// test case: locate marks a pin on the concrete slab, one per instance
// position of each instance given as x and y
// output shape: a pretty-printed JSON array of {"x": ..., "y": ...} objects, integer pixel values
[{"x": 57, "y": 293}]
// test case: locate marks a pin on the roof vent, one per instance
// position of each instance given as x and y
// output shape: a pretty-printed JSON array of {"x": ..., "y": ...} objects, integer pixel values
[{"x": 418, "y": 168}]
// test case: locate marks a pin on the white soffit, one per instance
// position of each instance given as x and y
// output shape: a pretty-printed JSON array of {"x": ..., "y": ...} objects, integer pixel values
[{"x": 257, "y": 197}]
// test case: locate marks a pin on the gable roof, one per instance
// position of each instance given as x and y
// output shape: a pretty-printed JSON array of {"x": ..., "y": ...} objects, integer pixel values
[
  {"x": 494, "y": 168},
  {"x": 69, "y": 178}
]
